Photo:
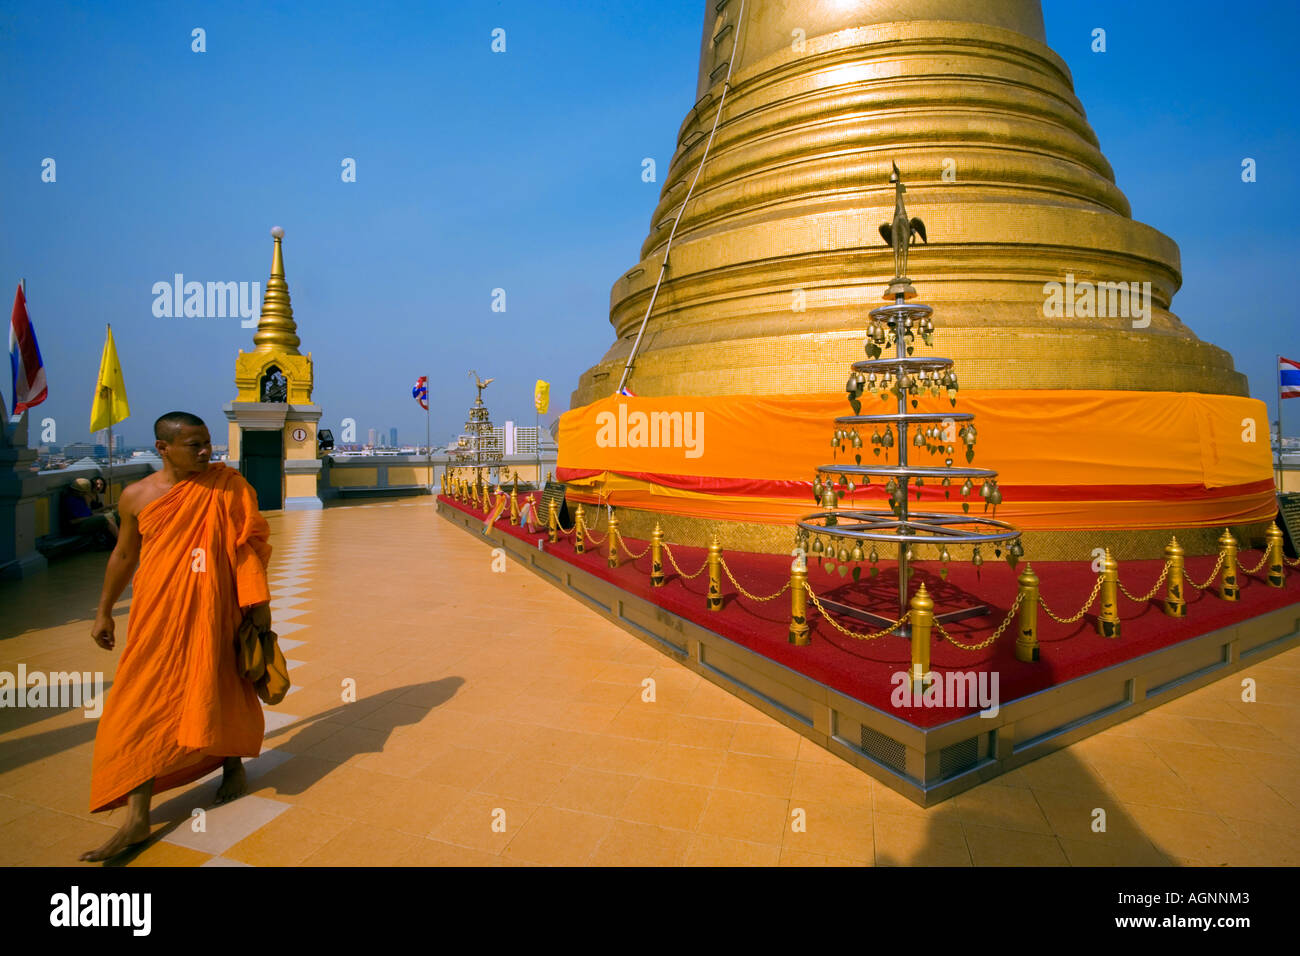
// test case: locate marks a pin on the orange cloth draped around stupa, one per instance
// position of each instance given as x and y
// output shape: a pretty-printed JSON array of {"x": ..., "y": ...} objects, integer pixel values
[
  {"x": 1065, "y": 459},
  {"x": 178, "y": 704}
]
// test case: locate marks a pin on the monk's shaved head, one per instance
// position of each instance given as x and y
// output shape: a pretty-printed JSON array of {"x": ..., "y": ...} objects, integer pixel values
[{"x": 167, "y": 427}]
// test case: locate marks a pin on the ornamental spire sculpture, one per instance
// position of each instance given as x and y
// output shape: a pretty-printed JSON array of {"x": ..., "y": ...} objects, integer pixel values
[{"x": 906, "y": 378}]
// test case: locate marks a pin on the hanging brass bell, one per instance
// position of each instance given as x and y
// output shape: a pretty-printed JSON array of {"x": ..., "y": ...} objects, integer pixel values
[{"x": 857, "y": 553}]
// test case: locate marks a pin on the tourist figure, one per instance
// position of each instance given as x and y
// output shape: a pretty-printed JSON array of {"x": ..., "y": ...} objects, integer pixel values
[{"x": 80, "y": 517}]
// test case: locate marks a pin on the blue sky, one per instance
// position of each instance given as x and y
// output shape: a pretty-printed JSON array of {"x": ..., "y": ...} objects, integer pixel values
[{"x": 520, "y": 171}]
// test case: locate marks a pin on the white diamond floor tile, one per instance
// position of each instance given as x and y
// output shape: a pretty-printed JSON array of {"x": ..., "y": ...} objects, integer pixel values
[
  {"x": 227, "y": 824},
  {"x": 288, "y": 613},
  {"x": 275, "y": 720}
]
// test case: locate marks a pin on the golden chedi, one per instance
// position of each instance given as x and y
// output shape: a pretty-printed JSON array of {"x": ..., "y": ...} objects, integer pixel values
[
  {"x": 272, "y": 420},
  {"x": 1111, "y": 423}
]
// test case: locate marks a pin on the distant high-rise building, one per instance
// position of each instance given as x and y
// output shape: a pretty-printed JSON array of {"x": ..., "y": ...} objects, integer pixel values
[
  {"x": 392, "y": 437},
  {"x": 372, "y": 438},
  {"x": 519, "y": 439}
]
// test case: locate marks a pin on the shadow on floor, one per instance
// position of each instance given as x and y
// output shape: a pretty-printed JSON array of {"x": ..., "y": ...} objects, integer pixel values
[{"x": 1054, "y": 811}]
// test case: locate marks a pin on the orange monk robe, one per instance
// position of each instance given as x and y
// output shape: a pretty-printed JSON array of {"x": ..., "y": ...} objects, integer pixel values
[{"x": 178, "y": 704}]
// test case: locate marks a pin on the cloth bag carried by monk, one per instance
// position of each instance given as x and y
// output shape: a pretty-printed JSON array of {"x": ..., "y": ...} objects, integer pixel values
[{"x": 262, "y": 662}]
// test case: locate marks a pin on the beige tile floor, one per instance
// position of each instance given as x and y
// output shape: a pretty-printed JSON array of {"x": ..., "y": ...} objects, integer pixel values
[{"x": 499, "y": 722}]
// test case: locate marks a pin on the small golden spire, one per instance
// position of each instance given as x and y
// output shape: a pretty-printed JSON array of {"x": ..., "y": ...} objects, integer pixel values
[{"x": 276, "y": 328}]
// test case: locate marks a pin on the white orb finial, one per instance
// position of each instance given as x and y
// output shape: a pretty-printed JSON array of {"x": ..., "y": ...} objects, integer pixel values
[{"x": 277, "y": 232}]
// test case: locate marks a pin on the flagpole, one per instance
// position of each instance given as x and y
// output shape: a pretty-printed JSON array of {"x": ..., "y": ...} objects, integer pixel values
[
  {"x": 1281, "y": 476},
  {"x": 109, "y": 332},
  {"x": 428, "y": 446},
  {"x": 22, "y": 284}
]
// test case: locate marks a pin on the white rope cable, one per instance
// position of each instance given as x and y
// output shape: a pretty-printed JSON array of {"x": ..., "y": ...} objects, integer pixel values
[{"x": 726, "y": 85}]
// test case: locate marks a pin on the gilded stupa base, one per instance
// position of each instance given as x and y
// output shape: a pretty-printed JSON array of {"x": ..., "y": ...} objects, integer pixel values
[{"x": 1067, "y": 545}]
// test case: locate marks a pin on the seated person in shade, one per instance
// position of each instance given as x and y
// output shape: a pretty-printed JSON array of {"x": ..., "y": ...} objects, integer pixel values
[
  {"x": 99, "y": 487},
  {"x": 80, "y": 518}
]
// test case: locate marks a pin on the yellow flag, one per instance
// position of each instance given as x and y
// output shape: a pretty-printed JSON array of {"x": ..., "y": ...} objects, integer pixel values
[
  {"x": 542, "y": 397},
  {"x": 109, "y": 406}
]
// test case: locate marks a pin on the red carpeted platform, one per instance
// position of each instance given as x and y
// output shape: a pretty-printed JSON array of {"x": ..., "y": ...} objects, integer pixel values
[{"x": 863, "y": 669}]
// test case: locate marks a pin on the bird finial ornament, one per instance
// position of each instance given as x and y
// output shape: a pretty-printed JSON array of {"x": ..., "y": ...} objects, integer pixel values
[
  {"x": 901, "y": 232},
  {"x": 480, "y": 384}
]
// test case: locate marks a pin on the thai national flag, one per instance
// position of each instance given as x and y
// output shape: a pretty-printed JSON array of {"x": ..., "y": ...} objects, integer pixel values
[
  {"x": 626, "y": 391},
  {"x": 421, "y": 391},
  {"x": 25, "y": 358},
  {"x": 1288, "y": 377}
]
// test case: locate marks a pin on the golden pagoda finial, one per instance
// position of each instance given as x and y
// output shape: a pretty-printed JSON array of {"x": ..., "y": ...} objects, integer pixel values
[{"x": 276, "y": 329}]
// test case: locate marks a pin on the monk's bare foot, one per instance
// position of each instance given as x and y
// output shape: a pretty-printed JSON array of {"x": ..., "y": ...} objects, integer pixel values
[
  {"x": 233, "y": 782},
  {"x": 131, "y": 833}
]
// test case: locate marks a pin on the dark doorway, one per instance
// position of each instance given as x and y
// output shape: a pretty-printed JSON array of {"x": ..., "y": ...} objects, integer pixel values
[{"x": 261, "y": 460}]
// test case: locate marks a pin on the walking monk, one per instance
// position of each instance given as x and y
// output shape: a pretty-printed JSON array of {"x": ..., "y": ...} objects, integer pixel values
[{"x": 179, "y": 708}]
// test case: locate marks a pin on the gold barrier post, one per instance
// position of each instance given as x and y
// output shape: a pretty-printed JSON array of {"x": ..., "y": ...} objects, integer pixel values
[
  {"x": 715, "y": 569},
  {"x": 579, "y": 531},
  {"x": 1228, "y": 589},
  {"x": 613, "y": 540},
  {"x": 657, "y": 557},
  {"x": 1027, "y": 641},
  {"x": 1108, "y": 618},
  {"x": 1175, "y": 606},
  {"x": 514, "y": 505},
  {"x": 922, "y": 621},
  {"x": 800, "y": 633},
  {"x": 552, "y": 522},
  {"x": 1276, "y": 575}
]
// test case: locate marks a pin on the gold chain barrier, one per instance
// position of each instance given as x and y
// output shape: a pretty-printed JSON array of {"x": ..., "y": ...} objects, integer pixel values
[
  {"x": 1210, "y": 580},
  {"x": 1083, "y": 610},
  {"x": 673, "y": 561},
  {"x": 1006, "y": 622},
  {"x": 1152, "y": 593},
  {"x": 844, "y": 630},
  {"x": 622, "y": 543},
  {"x": 753, "y": 597},
  {"x": 1262, "y": 561}
]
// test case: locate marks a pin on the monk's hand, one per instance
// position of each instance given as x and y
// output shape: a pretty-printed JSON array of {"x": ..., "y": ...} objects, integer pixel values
[
  {"x": 260, "y": 615},
  {"x": 101, "y": 632}
]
